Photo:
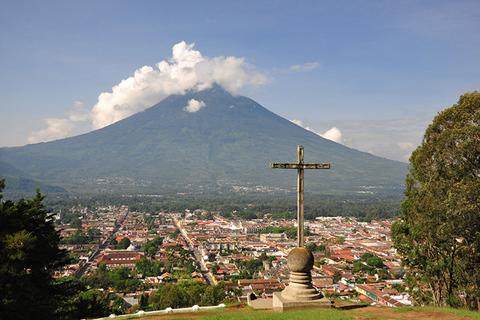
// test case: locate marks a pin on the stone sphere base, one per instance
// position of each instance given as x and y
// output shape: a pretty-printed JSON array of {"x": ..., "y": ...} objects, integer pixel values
[{"x": 300, "y": 288}]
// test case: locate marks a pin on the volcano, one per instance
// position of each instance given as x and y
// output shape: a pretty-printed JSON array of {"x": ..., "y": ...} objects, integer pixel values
[{"x": 223, "y": 142}]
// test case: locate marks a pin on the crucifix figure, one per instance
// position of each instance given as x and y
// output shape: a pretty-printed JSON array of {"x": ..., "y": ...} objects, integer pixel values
[{"x": 300, "y": 166}]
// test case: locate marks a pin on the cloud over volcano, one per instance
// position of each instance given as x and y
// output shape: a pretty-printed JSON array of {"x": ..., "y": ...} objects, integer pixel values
[{"x": 186, "y": 70}]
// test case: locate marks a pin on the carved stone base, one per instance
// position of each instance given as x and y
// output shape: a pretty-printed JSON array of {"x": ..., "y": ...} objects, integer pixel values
[
  {"x": 300, "y": 288},
  {"x": 300, "y": 291}
]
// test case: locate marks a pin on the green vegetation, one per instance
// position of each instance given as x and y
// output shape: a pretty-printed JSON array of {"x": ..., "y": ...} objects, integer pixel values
[
  {"x": 79, "y": 301},
  {"x": 249, "y": 268},
  {"x": 29, "y": 254},
  {"x": 438, "y": 230},
  {"x": 370, "y": 264},
  {"x": 291, "y": 232},
  {"x": 149, "y": 268},
  {"x": 419, "y": 313},
  {"x": 313, "y": 247},
  {"x": 372, "y": 260},
  {"x": 214, "y": 149},
  {"x": 245, "y": 206},
  {"x": 185, "y": 294},
  {"x": 80, "y": 237},
  {"x": 307, "y": 314},
  {"x": 121, "y": 279},
  {"x": 123, "y": 244},
  {"x": 151, "y": 247},
  {"x": 75, "y": 222}
]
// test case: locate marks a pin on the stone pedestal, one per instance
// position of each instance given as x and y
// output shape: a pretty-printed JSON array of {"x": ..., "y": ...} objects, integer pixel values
[
  {"x": 279, "y": 303},
  {"x": 300, "y": 291},
  {"x": 300, "y": 287}
]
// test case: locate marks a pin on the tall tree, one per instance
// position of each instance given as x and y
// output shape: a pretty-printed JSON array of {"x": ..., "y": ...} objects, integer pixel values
[
  {"x": 438, "y": 233},
  {"x": 29, "y": 253}
]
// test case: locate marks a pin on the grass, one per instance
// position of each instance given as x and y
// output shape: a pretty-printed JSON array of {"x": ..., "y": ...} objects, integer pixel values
[
  {"x": 308, "y": 314},
  {"x": 457, "y": 312},
  {"x": 373, "y": 313}
]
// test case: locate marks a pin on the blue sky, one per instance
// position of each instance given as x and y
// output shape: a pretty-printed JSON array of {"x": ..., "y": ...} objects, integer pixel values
[{"x": 379, "y": 70}]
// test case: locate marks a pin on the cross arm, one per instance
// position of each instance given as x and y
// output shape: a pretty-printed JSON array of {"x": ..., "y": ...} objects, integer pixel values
[{"x": 300, "y": 165}]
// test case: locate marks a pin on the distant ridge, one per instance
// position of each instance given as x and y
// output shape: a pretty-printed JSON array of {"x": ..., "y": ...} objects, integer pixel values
[{"x": 226, "y": 145}]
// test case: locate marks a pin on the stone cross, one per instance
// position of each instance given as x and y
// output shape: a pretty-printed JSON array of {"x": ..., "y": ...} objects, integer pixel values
[{"x": 300, "y": 166}]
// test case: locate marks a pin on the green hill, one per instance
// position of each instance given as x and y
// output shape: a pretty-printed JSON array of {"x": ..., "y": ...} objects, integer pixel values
[{"x": 18, "y": 184}]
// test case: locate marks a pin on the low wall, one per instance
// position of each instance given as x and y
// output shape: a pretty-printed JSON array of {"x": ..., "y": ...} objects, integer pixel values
[{"x": 142, "y": 313}]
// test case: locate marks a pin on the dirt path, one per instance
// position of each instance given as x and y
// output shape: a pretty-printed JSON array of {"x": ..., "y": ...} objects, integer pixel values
[{"x": 389, "y": 313}]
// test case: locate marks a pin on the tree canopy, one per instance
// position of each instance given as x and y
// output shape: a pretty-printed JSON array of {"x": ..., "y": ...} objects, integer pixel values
[
  {"x": 438, "y": 233},
  {"x": 29, "y": 254},
  {"x": 124, "y": 243}
]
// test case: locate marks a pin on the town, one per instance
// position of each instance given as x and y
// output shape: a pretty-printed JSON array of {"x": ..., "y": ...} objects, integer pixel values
[{"x": 246, "y": 259}]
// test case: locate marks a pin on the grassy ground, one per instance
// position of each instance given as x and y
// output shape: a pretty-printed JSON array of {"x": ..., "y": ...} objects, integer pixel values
[{"x": 374, "y": 313}]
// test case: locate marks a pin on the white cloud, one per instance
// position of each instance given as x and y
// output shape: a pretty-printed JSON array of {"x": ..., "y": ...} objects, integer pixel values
[
  {"x": 186, "y": 70},
  {"x": 307, "y": 66},
  {"x": 393, "y": 139},
  {"x": 298, "y": 122},
  {"x": 194, "y": 105},
  {"x": 56, "y": 129},
  {"x": 78, "y": 112},
  {"x": 333, "y": 133}
]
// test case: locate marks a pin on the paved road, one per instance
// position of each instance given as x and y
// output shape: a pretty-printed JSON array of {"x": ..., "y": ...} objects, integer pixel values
[
  {"x": 88, "y": 264},
  {"x": 196, "y": 252}
]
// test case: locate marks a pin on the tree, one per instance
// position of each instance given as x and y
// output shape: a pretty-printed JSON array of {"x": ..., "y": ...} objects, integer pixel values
[
  {"x": 91, "y": 303},
  {"x": 212, "y": 257},
  {"x": 77, "y": 238},
  {"x": 169, "y": 295},
  {"x": 372, "y": 260},
  {"x": 94, "y": 234},
  {"x": 29, "y": 253},
  {"x": 124, "y": 243},
  {"x": 437, "y": 233},
  {"x": 119, "y": 306},
  {"x": 75, "y": 301},
  {"x": 186, "y": 294},
  {"x": 148, "y": 267},
  {"x": 151, "y": 247},
  {"x": 143, "y": 302},
  {"x": 121, "y": 279},
  {"x": 313, "y": 247},
  {"x": 99, "y": 278},
  {"x": 76, "y": 222}
]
